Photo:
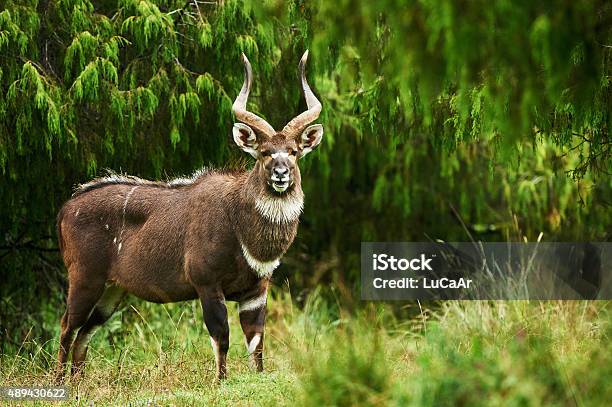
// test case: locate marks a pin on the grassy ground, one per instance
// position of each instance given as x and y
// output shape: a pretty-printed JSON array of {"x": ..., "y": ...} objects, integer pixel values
[{"x": 453, "y": 353}]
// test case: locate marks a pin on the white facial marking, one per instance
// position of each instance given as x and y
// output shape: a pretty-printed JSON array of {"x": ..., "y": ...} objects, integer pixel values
[
  {"x": 77, "y": 212},
  {"x": 280, "y": 209},
  {"x": 263, "y": 269},
  {"x": 280, "y": 154},
  {"x": 115, "y": 240},
  {"x": 253, "y": 303},
  {"x": 119, "y": 248},
  {"x": 251, "y": 346},
  {"x": 106, "y": 226}
]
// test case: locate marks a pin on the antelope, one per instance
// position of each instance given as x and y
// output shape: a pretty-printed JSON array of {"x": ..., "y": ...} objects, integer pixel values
[{"x": 216, "y": 236}]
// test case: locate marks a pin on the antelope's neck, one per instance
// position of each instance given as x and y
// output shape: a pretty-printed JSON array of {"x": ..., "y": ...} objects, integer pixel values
[
  {"x": 268, "y": 223},
  {"x": 280, "y": 209}
]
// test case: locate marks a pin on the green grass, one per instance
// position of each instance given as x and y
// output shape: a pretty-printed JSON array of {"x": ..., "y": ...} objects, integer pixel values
[{"x": 454, "y": 353}]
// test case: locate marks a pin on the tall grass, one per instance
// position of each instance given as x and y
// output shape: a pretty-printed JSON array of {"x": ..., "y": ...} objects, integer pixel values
[{"x": 453, "y": 353}]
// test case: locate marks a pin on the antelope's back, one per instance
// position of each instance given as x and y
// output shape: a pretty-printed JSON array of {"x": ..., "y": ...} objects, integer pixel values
[{"x": 95, "y": 225}]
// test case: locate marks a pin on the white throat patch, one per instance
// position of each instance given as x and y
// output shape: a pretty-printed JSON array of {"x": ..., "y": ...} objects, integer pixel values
[
  {"x": 263, "y": 269},
  {"x": 279, "y": 209}
]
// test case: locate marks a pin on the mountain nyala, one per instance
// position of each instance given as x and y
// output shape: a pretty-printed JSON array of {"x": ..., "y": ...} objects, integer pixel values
[{"x": 215, "y": 236}]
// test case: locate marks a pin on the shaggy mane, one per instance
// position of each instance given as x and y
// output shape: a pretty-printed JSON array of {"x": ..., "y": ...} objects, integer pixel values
[{"x": 114, "y": 178}]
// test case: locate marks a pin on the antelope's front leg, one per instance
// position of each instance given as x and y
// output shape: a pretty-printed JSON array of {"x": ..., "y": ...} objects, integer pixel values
[
  {"x": 252, "y": 319},
  {"x": 215, "y": 318}
]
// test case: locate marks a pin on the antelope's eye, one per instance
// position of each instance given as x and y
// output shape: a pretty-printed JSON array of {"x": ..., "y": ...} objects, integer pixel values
[
  {"x": 292, "y": 152},
  {"x": 266, "y": 153}
]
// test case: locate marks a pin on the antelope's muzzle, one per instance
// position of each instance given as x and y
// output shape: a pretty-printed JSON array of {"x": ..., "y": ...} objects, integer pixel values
[{"x": 281, "y": 178}]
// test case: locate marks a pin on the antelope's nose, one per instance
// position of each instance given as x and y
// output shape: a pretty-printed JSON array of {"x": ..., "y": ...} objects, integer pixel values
[{"x": 281, "y": 171}]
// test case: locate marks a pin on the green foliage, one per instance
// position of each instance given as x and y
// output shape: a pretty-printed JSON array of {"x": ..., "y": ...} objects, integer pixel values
[
  {"x": 87, "y": 88},
  {"x": 516, "y": 353},
  {"x": 352, "y": 374},
  {"x": 516, "y": 69},
  {"x": 466, "y": 353},
  {"x": 523, "y": 374}
]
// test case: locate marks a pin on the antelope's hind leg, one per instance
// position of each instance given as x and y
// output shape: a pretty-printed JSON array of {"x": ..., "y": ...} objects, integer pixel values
[
  {"x": 103, "y": 310},
  {"x": 215, "y": 318},
  {"x": 82, "y": 297}
]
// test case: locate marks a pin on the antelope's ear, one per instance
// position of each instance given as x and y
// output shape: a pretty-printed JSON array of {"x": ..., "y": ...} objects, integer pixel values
[
  {"x": 245, "y": 137},
  {"x": 310, "y": 139}
]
